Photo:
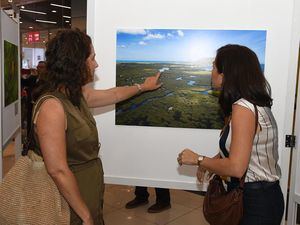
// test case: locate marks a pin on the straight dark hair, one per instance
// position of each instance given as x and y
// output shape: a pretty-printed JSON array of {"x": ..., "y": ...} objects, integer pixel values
[
  {"x": 243, "y": 77},
  {"x": 67, "y": 72}
]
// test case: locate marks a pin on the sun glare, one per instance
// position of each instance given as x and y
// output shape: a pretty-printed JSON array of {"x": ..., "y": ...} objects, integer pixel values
[{"x": 199, "y": 50}]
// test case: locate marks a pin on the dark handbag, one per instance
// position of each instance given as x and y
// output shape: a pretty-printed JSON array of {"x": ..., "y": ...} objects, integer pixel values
[{"x": 221, "y": 207}]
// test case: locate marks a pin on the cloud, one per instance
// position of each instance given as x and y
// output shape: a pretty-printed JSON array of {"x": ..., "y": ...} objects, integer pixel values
[
  {"x": 170, "y": 35},
  {"x": 121, "y": 46},
  {"x": 132, "y": 31},
  {"x": 142, "y": 43},
  {"x": 180, "y": 33},
  {"x": 154, "y": 36}
]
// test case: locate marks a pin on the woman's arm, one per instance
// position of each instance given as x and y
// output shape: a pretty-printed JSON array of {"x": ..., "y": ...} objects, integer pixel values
[
  {"x": 50, "y": 128},
  {"x": 243, "y": 126},
  {"x": 98, "y": 98},
  {"x": 202, "y": 171}
]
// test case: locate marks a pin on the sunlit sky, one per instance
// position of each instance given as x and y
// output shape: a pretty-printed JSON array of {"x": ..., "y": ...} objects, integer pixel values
[{"x": 184, "y": 45}]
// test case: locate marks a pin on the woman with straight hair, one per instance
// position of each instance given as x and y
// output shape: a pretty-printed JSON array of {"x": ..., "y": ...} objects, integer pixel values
[
  {"x": 65, "y": 130},
  {"x": 249, "y": 140}
]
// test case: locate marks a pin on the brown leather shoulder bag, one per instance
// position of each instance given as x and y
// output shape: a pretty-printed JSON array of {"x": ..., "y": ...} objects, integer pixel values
[{"x": 221, "y": 207}]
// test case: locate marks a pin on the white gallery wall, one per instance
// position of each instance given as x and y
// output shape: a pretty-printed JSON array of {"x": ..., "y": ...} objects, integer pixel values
[
  {"x": 147, "y": 155},
  {"x": 11, "y": 117},
  {"x": 11, "y": 114}
]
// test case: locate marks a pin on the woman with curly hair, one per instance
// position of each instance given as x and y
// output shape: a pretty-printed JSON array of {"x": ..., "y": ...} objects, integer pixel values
[
  {"x": 65, "y": 131},
  {"x": 249, "y": 140}
]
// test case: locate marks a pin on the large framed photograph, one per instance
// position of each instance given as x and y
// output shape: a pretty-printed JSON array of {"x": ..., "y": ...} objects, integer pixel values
[
  {"x": 184, "y": 57},
  {"x": 11, "y": 85}
]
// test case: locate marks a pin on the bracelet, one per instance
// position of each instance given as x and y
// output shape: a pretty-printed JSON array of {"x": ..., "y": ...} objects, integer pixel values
[
  {"x": 200, "y": 159},
  {"x": 139, "y": 87}
]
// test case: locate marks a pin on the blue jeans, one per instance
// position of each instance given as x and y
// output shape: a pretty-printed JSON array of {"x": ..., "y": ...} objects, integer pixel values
[{"x": 263, "y": 206}]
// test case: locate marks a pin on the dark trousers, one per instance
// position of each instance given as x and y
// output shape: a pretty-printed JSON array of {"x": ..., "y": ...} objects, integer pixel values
[
  {"x": 263, "y": 206},
  {"x": 162, "y": 194}
]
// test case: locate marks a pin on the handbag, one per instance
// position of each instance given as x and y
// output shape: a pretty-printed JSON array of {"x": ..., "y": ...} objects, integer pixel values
[
  {"x": 28, "y": 194},
  {"x": 221, "y": 207}
]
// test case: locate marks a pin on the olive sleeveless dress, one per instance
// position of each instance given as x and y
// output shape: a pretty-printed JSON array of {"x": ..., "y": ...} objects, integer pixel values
[{"x": 82, "y": 146}]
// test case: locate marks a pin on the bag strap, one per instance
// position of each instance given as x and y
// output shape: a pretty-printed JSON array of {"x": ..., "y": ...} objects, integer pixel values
[
  {"x": 30, "y": 139},
  {"x": 242, "y": 180}
]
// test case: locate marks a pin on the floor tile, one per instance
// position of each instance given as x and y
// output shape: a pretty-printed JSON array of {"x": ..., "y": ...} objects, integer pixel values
[
  {"x": 108, "y": 209},
  {"x": 117, "y": 196},
  {"x": 192, "y": 218},
  {"x": 164, "y": 217},
  {"x": 120, "y": 218},
  {"x": 188, "y": 199}
]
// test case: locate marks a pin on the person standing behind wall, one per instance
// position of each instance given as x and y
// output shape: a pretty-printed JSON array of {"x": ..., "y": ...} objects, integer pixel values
[{"x": 141, "y": 198}]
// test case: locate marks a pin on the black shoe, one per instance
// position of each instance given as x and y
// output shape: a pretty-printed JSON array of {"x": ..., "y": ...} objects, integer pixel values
[
  {"x": 159, "y": 207},
  {"x": 136, "y": 203}
]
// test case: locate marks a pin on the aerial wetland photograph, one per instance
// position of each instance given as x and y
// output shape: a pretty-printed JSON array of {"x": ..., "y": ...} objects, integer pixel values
[{"x": 184, "y": 58}]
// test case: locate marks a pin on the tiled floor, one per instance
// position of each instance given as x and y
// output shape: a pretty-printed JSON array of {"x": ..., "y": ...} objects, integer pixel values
[{"x": 186, "y": 208}]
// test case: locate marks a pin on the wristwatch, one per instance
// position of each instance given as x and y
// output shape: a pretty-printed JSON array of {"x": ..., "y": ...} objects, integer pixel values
[
  {"x": 200, "y": 159},
  {"x": 139, "y": 88}
]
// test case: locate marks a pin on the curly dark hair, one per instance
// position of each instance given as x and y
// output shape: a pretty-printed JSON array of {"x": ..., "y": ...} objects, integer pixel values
[
  {"x": 243, "y": 77},
  {"x": 66, "y": 56}
]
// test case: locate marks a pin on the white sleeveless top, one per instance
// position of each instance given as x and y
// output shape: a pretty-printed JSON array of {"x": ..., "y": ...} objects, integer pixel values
[{"x": 263, "y": 165}]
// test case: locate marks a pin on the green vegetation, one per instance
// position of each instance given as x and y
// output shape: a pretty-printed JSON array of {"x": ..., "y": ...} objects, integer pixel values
[
  {"x": 10, "y": 72},
  {"x": 185, "y": 100}
]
